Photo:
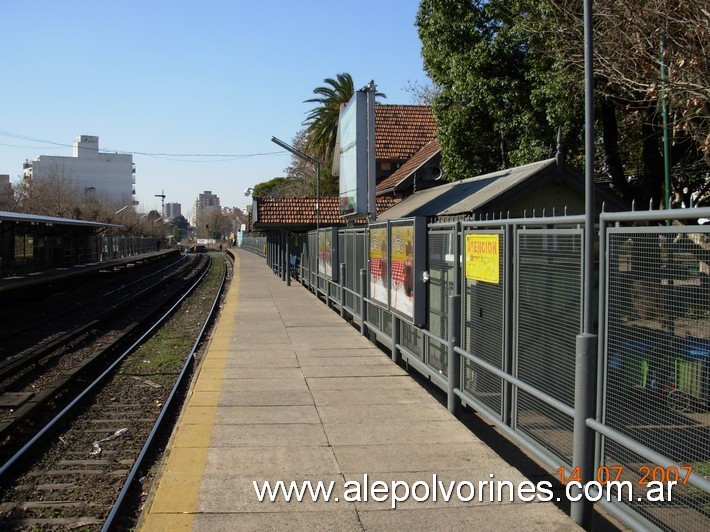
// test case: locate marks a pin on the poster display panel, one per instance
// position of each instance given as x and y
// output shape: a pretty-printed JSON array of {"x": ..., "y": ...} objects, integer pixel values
[
  {"x": 328, "y": 253},
  {"x": 378, "y": 264},
  {"x": 407, "y": 260}
]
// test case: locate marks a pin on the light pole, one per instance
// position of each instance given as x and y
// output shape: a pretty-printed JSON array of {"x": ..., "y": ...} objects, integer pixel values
[{"x": 305, "y": 157}]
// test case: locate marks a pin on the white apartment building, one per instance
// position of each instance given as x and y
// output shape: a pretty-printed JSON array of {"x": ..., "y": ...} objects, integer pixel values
[{"x": 102, "y": 176}]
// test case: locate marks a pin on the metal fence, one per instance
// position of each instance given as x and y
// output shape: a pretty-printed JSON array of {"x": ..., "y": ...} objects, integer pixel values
[
  {"x": 255, "y": 244},
  {"x": 509, "y": 348},
  {"x": 118, "y": 247}
]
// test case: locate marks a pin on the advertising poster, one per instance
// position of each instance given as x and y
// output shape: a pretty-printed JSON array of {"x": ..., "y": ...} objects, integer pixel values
[
  {"x": 325, "y": 245},
  {"x": 483, "y": 257},
  {"x": 402, "y": 268},
  {"x": 379, "y": 271}
]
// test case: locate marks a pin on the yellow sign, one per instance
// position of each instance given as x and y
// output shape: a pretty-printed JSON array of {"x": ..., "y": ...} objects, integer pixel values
[{"x": 483, "y": 258}]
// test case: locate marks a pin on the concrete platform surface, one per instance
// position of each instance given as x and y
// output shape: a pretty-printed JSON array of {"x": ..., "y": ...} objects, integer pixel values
[{"x": 290, "y": 392}]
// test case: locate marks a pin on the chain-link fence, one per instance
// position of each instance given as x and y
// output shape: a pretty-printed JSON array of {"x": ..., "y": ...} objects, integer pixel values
[
  {"x": 657, "y": 365},
  {"x": 515, "y": 337}
]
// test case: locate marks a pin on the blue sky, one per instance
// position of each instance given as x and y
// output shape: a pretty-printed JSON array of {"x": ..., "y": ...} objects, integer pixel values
[{"x": 215, "y": 77}]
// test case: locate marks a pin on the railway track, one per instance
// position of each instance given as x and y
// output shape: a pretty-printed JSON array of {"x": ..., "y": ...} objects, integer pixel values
[
  {"x": 40, "y": 324},
  {"x": 33, "y": 378},
  {"x": 92, "y": 450}
]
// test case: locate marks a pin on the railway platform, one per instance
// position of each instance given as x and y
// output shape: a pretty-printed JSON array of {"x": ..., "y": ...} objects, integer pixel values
[
  {"x": 21, "y": 281},
  {"x": 288, "y": 391}
]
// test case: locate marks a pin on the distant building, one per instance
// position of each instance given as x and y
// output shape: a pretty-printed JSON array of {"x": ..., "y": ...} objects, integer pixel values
[
  {"x": 5, "y": 192},
  {"x": 204, "y": 203},
  {"x": 102, "y": 176},
  {"x": 172, "y": 210}
]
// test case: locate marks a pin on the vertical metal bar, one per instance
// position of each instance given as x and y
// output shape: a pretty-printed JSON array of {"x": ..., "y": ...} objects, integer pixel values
[
  {"x": 371, "y": 160},
  {"x": 583, "y": 442},
  {"x": 508, "y": 283},
  {"x": 272, "y": 253},
  {"x": 288, "y": 258},
  {"x": 666, "y": 136},
  {"x": 454, "y": 366},
  {"x": 588, "y": 170},
  {"x": 602, "y": 315},
  {"x": 585, "y": 388},
  {"x": 394, "y": 352},
  {"x": 363, "y": 303},
  {"x": 341, "y": 281},
  {"x": 284, "y": 259}
]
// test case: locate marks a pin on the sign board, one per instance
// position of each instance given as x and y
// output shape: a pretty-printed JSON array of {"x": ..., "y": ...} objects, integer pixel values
[
  {"x": 353, "y": 157},
  {"x": 483, "y": 257}
]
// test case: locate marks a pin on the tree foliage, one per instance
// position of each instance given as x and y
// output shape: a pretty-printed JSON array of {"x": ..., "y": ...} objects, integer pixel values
[
  {"x": 634, "y": 41},
  {"x": 301, "y": 176},
  {"x": 510, "y": 72},
  {"x": 322, "y": 121},
  {"x": 61, "y": 197},
  {"x": 317, "y": 140},
  {"x": 497, "y": 100}
]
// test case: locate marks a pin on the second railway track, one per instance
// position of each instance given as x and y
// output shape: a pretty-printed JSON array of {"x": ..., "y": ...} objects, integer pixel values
[{"x": 73, "y": 481}]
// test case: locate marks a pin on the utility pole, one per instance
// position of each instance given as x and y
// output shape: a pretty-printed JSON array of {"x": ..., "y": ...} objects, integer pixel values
[{"x": 162, "y": 202}]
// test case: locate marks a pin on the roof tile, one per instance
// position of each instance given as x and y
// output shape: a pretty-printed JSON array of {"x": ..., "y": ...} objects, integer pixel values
[
  {"x": 302, "y": 211},
  {"x": 402, "y": 130}
]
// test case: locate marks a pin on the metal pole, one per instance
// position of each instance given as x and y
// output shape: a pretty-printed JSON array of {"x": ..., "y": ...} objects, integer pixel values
[
  {"x": 666, "y": 136},
  {"x": 371, "y": 163},
  {"x": 317, "y": 194},
  {"x": 281, "y": 256},
  {"x": 589, "y": 169},
  {"x": 301, "y": 155},
  {"x": 454, "y": 365},
  {"x": 394, "y": 352},
  {"x": 363, "y": 304},
  {"x": 585, "y": 369},
  {"x": 288, "y": 258},
  {"x": 341, "y": 280},
  {"x": 584, "y": 407}
]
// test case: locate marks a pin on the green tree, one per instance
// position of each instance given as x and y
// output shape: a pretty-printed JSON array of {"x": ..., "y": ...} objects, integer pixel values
[
  {"x": 629, "y": 59},
  {"x": 508, "y": 73},
  {"x": 268, "y": 188},
  {"x": 322, "y": 121},
  {"x": 179, "y": 227},
  {"x": 499, "y": 101}
]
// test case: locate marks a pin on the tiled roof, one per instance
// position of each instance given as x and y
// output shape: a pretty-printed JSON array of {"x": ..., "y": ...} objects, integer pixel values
[
  {"x": 401, "y": 130},
  {"x": 302, "y": 211},
  {"x": 411, "y": 166}
]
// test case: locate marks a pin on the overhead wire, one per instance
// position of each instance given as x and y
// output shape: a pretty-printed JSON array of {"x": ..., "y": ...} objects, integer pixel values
[{"x": 176, "y": 156}]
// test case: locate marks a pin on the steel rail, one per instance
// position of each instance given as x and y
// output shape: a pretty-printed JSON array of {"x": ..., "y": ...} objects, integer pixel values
[
  {"x": 163, "y": 412},
  {"x": 68, "y": 408}
]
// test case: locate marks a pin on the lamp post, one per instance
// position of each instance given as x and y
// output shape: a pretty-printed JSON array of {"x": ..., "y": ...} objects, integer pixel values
[{"x": 305, "y": 157}]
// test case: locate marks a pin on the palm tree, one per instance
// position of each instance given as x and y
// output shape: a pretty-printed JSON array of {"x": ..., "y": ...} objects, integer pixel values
[{"x": 322, "y": 121}]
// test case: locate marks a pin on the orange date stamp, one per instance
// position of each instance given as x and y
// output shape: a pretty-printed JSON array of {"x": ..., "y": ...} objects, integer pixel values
[{"x": 605, "y": 474}]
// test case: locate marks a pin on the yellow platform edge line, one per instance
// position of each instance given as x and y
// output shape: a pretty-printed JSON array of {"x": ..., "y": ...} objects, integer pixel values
[{"x": 173, "y": 501}]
